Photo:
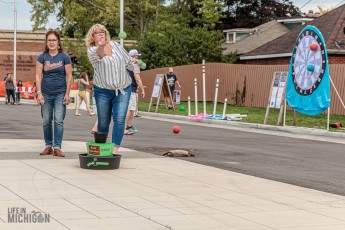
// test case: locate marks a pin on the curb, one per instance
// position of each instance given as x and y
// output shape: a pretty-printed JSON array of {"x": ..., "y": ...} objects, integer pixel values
[{"x": 236, "y": 124}]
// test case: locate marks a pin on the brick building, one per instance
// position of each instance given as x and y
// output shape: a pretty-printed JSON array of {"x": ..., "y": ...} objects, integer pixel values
[{"x": 29, "y": 46}]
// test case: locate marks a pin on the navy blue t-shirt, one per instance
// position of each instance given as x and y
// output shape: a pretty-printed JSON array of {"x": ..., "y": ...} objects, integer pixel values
[
  {"x": 54, "y": 75},
  {"x": 171, "y": 81},
  {"x": 134, "y": 82}
]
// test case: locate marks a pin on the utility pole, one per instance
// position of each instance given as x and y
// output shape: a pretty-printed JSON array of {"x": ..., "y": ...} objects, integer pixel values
[
  {"x": 14, "y": 38},
  {"x": 121, "y": 21},
  {"x": 15, "y": 43}
]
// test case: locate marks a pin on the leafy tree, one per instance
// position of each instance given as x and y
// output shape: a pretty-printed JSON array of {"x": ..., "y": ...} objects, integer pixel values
[
  {"x": 251, "y": 13},
  {"x": 204, "y": 13},
  {"x": 77, "y": 49},
  {"x": 175, "y": 32},
  {"x": 324, "y": 11},
  {"x": 77, "y": 16},
  {"x": 181, "y": 45},
  {"x": 210, "y": 11},
  {"x": 80, "y": 15},
  {"x": 140, "y": 14}
]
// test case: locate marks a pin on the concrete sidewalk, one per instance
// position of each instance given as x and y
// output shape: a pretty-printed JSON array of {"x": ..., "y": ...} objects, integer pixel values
[{"x": 152, "y": 192}]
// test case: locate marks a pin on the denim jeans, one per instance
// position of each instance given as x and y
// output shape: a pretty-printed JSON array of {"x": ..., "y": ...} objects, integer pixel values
[
  {"x": 10, "y": 94},
  {"x": 108, "y": 104},
  {"x": 53, "y": 107},
  {"x": 18, "y": 97}
]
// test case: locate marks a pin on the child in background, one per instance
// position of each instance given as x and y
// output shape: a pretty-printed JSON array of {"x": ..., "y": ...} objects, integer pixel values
[
  {"x": 19, "y": 90},
  {"x": 34, "y": 92}
]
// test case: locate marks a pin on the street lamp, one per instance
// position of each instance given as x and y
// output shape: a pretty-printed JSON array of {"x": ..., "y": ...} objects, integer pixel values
[{"x": 15, "y": 38}]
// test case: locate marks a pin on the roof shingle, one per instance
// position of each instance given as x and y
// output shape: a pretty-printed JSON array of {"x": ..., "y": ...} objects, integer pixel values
[
  {"x": 330, "y": 24},
  {"x": 268, "y": 32}
]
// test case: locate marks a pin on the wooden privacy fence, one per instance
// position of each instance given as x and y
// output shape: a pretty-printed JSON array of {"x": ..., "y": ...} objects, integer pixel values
[{"x": 247, "y": 85}]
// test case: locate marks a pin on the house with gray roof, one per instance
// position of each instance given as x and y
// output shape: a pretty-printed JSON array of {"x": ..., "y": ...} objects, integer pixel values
[
  {"x": 278, "y": 51},
  {"x": 244, "y": 40}
]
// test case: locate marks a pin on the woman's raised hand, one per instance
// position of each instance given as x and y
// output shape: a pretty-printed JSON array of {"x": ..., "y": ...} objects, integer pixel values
[{"x": 101, "y": 42}]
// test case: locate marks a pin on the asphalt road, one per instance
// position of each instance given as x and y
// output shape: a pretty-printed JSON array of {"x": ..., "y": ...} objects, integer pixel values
[{"x": 305, "y": 162}]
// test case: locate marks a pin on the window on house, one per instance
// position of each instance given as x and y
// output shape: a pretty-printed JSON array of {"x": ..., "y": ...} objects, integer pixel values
[{"x": 230, "y": 38}]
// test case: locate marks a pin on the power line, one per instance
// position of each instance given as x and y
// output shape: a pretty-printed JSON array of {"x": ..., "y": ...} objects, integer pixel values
[
  {"x": 94, "y": 5},
  {"x": 306, "y": 4},
  {"x": 339, "y": 4}
]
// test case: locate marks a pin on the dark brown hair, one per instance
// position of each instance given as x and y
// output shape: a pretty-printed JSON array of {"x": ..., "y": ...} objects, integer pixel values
[
  {"x": 9, "y": 77},
  {"x": 83, "y": 75},
  {"x": 57, "y": 35}
]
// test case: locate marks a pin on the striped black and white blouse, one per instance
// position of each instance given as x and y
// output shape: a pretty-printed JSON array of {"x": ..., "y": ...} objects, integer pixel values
[{"x": 110, "y": 71}]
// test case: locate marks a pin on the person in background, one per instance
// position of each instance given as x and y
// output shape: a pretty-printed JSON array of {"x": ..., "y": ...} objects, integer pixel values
[
  {"x": 82, "y": 96},
  {"x": 136, "y": 81},
  {"x": 112, "y": 83},
  {"x": 19, "y": 90},
  {"x": 53, "y": 81},
  {"x": 10, "y": 89},
  {"x": 34, "y": 92},
  {"x": 95, "y": 127},
  {"x": 5, "y": 88},
  {"x": 172, "y": 79},
  {"x": 136, "y": 113}
]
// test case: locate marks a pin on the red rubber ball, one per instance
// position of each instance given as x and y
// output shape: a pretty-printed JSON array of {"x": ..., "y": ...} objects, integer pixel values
[
  {"x": 313, "y": 47},
  {"x": 176, "y": 129}
]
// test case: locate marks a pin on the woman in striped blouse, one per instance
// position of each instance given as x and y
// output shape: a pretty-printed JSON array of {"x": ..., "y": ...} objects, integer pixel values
[{"x": 112, "y": 83}]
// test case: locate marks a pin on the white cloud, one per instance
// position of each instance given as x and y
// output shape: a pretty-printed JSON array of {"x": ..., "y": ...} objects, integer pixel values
[
  {"x": 313, "y": 5},
  {"x": 23, "y": 16}
]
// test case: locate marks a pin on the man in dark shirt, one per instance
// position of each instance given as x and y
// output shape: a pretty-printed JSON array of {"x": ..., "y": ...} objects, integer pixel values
[
  {"x": 172, "y": 79},
  {"x": 133, "y": 101}
]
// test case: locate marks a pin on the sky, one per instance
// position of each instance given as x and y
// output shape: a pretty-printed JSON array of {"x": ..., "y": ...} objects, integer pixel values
[
  {"x": 312, "y": 5},
  {"x": 23, "y": 16},
  {"x": 24, "y": 8}
]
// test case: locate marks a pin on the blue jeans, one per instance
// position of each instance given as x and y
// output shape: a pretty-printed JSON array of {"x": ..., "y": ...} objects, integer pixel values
[
  {"x": 53, "y": 107},
  {"x": 10, "y": 94},
  {"x": 18, "y": 97},
  {"x": 108, "y": 104}
]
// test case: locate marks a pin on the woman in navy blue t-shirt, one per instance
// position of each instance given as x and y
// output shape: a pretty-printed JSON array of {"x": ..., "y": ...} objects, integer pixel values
[{"x": 53, "y": 81}]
